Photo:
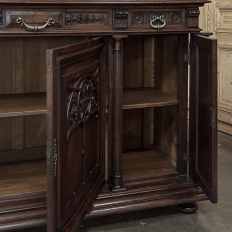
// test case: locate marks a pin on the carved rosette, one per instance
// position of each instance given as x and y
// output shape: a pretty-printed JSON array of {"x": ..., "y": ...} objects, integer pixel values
[
  {"x": 137, "y": 18},
  {"x": 193, "y": 17},
  {"x": 121, "y": 19},
  {"x": 175, "y": 18},
  {"x": 83, "y": 19},
  {"x": 0, "y": 18},
  {"x": 82, "y": 100}
]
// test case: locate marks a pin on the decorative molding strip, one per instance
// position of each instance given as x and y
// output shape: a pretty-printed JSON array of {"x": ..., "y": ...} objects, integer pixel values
[
  {"x": 145, "y": 18},
  {"x": 0, "y": 18},
  {"x": 82, "y": 100},
  {"x": 55, "y": 158},
  {"x": 193, "y": 17},
  {"x": 83, "y": 19},
  {"x": 121, "y": 19}
]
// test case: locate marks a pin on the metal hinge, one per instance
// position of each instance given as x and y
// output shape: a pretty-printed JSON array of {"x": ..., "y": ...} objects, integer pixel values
[
  {"x": 186, "y": 157},
  {"x": 106, "y": 108},
  {"x": 187, "y": 56},
  {"x": 55, "y": 158},
  {"x": 213, "y": 122}
]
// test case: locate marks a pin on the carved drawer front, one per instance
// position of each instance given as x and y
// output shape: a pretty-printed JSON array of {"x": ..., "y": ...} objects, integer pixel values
[
  {"x": 36, "y": 20},
  {"x": 155, "y": 20},
  {"x": 100, "y": 20}
]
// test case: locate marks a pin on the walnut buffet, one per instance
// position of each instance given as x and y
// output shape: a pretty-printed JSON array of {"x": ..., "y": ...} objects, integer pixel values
[{"x": 94, "y": 110}]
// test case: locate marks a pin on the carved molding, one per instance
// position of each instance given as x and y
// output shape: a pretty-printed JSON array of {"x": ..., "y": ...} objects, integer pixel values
[
  {"x": 121, "y": 19},
  {"x": 0, "y": 18},
  {"x": 83, "y": 19},
  {"x": 82, "y": 100},
  {"x": 193, "y": 17}
]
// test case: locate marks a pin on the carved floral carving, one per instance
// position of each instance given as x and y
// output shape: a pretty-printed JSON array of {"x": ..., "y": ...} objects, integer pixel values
[
  {"x": 83, "y": 19},
  {"x": 82, "y": 100}
]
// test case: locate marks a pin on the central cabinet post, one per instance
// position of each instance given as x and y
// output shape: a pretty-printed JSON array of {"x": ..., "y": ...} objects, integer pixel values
[{"x": 117, "y": 112}]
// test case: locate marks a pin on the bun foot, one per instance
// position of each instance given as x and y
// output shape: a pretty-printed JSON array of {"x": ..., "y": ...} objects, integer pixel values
[{"x": 188, "y": 208}]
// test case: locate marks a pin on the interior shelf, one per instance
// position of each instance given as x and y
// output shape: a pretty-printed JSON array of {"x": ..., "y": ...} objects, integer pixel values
[
  {"x": 146, "y": 97},
  {"x": 23, "y": 177},
  {"x": 22, "y": 104},
  {"x": 148, "y": 164}
]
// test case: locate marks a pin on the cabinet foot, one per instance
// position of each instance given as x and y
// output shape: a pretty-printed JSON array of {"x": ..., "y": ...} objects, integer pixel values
[{"x": 188, "y": 208}]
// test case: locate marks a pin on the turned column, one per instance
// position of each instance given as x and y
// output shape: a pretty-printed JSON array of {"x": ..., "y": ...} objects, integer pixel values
[{"x": 116, "y": 176}]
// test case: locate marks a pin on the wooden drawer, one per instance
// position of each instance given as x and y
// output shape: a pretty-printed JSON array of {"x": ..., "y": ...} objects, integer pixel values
[
  {"x": 89, "y": 20},
  {"x": 162, "y": 20},
  {"x": 33, "y": 18}
]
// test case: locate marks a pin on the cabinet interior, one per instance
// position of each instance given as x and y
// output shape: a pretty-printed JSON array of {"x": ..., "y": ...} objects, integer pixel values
[{"x": 150, "y": 107}]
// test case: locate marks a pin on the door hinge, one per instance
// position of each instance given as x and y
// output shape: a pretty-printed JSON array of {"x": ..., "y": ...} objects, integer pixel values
[
  {"x": 55, "y": 158},
  {"x": 186, "y": 156},
  {"x": 106, "y": 108},
  {"x": 213, "y": 122},
  {"x": 187, "y": 57}
]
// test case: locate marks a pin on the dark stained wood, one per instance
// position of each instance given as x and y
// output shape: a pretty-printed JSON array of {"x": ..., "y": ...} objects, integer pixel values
[
  {"x": 152, "y": 58},
  {"x": 23, "y": 177},
  {"x": 149, "y": 194},
  {"x": 146, "y": 97},
  {"x": 75, "y": 132},
  {"x": 203, "y": 114},
  {"x": 112, "y": 2}
]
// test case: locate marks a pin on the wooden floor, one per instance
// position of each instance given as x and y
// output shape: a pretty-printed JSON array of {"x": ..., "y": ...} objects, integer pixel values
[
  {"x": 146, "y": 164},
  {"x": 23, "y": 177}
]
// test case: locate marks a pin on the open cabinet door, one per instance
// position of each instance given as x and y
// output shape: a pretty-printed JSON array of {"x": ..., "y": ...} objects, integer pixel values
[
  {"x": 203, "y": 114},
  {"x": 75, "y": 139}
]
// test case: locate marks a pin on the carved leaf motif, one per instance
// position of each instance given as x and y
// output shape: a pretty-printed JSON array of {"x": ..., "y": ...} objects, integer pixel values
[
  {"x": 82, "y": 100},
  {"x": 83, "y": 19}
]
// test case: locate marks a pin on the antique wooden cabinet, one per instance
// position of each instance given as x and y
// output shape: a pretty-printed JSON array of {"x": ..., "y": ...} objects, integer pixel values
[{"x": 94, "y": 110}]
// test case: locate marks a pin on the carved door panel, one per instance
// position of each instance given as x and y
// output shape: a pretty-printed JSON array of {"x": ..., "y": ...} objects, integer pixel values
[
  {"x": 203, "y": 113},
  {"x": 75, "y": 99}
]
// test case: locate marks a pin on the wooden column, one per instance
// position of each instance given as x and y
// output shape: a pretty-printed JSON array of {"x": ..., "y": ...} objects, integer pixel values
[{"x": 117, "y": 113}]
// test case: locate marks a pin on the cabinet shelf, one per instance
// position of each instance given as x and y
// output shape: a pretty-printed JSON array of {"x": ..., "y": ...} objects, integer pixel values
[
  {"x": 146, "y": 97},
  {"x": 23, "y": 177},
  {"x": 146, "y": 164},
  {"x": 22, "y": 104}
]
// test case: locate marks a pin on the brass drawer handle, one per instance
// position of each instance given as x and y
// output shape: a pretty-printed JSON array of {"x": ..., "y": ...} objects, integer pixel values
[
  {"x": 21, "y": 21},
  {"x": 158, "y": 18}
]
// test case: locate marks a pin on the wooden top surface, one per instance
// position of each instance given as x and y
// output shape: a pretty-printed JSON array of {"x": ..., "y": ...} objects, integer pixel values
[{"x": 104, "y": 2}]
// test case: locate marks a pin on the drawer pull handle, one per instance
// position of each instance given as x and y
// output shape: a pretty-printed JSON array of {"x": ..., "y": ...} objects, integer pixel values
[
  {"x": 158, "y": 18},
  {"x": 35, "y": 28}
]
